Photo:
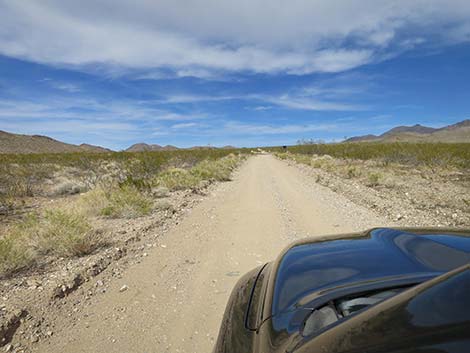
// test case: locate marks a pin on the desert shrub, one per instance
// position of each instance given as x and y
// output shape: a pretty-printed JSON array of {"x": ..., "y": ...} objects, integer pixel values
[
  {"x": 352, "y": 172},
  {"x": 138, "y": 183},
  {"x": 114, "y": 202},
  {"x": 68, "y": 187},
  {"x": 374, "y": 179},
  {"x": 13, "y": 254},
  {"x": 126, "y": 202},
  {"x": 58, "y": 232},
  {"x": 304, "y": 159},
  {"x": 219, "y": 170},
  {"x": 177, "y": 179},
  {"x": 91, "y": 203},
  {"x": 317, "y": 163},
  {"x": 282, "y": 155}
]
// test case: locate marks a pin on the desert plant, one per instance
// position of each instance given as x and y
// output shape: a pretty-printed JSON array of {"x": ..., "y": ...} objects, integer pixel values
[
  {"x": 58, "y": 232},
  {"x": 177, "y": 179},
  {"x": 219, "y": 170},
  {"x": 68, "y": 187},
  {"x": 126, "y": 202},
  {"x": 352, "y": 172},
  {"x": 456, "y": 155},
  {"x": 374, "y": 179},
  {"x": 13, "y": 254}
]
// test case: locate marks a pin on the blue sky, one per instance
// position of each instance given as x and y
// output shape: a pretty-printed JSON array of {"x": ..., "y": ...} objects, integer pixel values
[{"x": 244, "y": 73}]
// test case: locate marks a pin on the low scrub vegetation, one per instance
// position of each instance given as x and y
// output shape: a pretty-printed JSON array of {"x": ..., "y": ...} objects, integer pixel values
[
  {"x": 435, "y": 155},
  {"x": 126, "y": 202},
  {"x": 374, "y": 179},
  {"x": 28, "y": 175},
  {"x": 208, "y": 170},
  {"x": 55, "y": 232},
  {"x": 118, "y": 189},
  {"x": 384, "y": 165},
  {"x": 176, "y": 179},
  {"x": 118, "y": 202}
]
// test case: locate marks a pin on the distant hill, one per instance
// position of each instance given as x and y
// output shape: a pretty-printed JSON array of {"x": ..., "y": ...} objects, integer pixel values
[
  {"x": 459, "y": 132},
  {"x": 16, "y": 143},
  {"x": 144, "y": 147}
]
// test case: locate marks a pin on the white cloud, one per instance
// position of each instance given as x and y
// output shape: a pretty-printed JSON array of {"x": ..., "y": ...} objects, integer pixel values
[
  {"x": 260, "y": 108},
  {"x": 202, "y": 38},
  {"x": 260, "y": 129},
  {"x": 184, "y": 125},
  {"x": 307, "y": 99},
  {"x": 64, "y": 86},
  {"x": 89, "y": 109}
]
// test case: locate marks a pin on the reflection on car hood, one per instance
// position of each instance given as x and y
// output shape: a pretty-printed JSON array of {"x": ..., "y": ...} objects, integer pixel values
[{"x": 308, "y": 270}]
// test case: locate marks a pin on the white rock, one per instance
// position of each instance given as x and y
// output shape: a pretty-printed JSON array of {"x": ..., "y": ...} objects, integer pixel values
[{"x": 123, "y": 288}]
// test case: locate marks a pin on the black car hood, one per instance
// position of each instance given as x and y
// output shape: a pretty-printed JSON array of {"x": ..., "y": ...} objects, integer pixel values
[{"x": 311, "y": 272}]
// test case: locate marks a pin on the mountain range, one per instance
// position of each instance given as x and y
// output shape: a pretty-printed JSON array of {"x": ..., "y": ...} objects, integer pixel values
[
  {"x": 16, "y": 143},
  {"x": 459, "y": 132}
]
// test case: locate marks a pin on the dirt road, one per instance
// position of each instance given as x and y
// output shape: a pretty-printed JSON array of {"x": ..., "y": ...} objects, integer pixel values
[{"x": 175, "y": 298}]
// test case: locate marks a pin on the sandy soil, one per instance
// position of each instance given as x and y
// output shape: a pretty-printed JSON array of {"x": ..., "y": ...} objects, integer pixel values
[{"x": 174, "y": 299}]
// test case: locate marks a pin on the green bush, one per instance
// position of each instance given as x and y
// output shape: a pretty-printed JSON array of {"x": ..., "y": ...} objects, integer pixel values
[
  {"x": 219, "y": 170},
  {"x": 63, "y": 233},
  {"x": 374, "y": 179},
  {"x": 13, "y": 255},
  {"x": 177, "y": 179},
  {"x": 126, "y": 202},
  {"x": 352, "y": 172},
  {"x": 56, "y": 232}
]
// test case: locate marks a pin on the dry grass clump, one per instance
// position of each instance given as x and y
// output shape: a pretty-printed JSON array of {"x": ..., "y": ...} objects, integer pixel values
[
  {"x": 91, "y": 203},
  {"x": 14, "y": 255},
  {"x": 68, "y": 187},
  {"x": 127, "y": 202},
  {"x": 218, "y": 170},
  {"x": 56, "y": 232},
  {"x": 177, "y": 179},
  {"x": 374, "y": 179},
  {"x": 116, "y": 202}
]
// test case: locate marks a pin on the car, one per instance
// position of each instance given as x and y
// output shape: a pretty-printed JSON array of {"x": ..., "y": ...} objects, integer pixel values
[{"x": 383, "y": 290}]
